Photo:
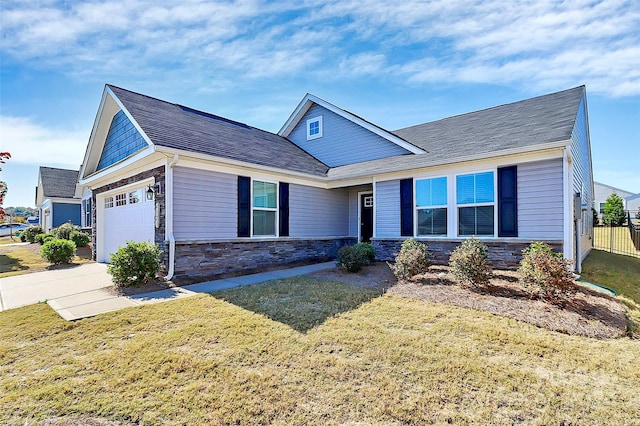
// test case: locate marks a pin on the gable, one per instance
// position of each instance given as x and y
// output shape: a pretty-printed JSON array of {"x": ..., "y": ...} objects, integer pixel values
[
  {"x": 123, "y": 140},
  {"x": 342, "y": 141}
]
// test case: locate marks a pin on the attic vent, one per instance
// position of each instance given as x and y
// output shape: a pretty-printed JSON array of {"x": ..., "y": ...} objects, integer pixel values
[{"x": 314, "y": 128}]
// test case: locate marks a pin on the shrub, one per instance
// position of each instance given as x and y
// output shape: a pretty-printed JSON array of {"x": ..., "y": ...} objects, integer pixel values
[
  {"x": 64, "y": 231},
  {"x": 613, "y": 211},
  {"x": 31, "y": 232},
  {"x": 412, "y": 260},
  {"x": 23, "y": 238},
  {"x": 353, "y": 258},
  {"x": 469, "y": 264},
  {"x": 367, "y": 251},
  {"x": 80, "y": 238},
  {"x": 58, "y": 251},
  {"x": 545, "y": 274},
  {"x": 134, "y": 264},
  {"x": 43, "y": 238}
]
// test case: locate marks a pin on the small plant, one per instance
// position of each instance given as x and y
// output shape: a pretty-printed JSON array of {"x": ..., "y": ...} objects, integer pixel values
[
  {"x": 134, "y": 264},
  {"x": 353, "y": 258},
  {"x": 23, "y": 237},
  {"x": 545, "y": 274},
  {"x": 412, "y": 260},
  {"x": 64, "y": 231},
  {"x": 43, "y": 238},
  {"x": 30, "y": 233},
  {"x": 58, "y": 251},
  {"x": 80, "y": 238},
  {"x": 469, "y": 263}
]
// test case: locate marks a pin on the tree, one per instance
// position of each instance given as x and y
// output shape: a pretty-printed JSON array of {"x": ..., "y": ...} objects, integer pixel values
[
  {"x": 596, "y": 220},
  {"x": 614, "y": 210},
  {"x": 3, "y": 185}
]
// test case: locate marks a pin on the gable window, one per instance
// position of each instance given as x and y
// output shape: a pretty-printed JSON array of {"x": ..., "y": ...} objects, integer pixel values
[
  {"x": 476, "y": 204},
  {"x": 265, "y": 202},
  {"x": 314, "y": 128},
  {"x": 108, "y": 202},
  {"x": 431, "y": 206}
]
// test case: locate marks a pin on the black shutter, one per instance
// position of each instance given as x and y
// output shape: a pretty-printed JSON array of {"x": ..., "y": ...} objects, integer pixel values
[
  {"x": 406, "y": 207},
  {"x": 244, "y": 206},
  {"x": 284, "y": 209},
  {"x": 508, "y": 201}
]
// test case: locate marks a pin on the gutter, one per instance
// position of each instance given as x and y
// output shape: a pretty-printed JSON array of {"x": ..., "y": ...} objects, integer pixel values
[{"x": 168, "y": 199}]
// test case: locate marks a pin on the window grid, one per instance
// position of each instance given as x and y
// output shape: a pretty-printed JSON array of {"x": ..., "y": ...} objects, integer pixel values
[
  {"x": 108, "y": 202},
  {"x": 314, "y": 128},
  {"x": 121, "y": 200},
  {"x": 264, "y": 208},
  {"x": 475, "y": 198},
  {"x": 134, "y": 196},
  {"x": 431, "y": 206}
]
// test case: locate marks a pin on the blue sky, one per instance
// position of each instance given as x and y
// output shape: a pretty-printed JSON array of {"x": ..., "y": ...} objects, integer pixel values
[{"x": 394, "y": 63}]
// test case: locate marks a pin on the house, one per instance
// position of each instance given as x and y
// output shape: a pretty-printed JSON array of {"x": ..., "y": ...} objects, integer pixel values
[
  {"x": 56, "y": 199},
  {"x": 602, "y": 192},
  {"x": 220, "y": 196},
  {"x": 633, "y": 205}
]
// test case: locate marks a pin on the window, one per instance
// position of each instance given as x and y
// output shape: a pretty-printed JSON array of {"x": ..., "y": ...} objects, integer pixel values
[
  {"x": 108, "y": 202},
  {"x": 431, "y": 206},
  {"x": 135, "y": 196},
  {"x": 476, "y": 202},
  {"x": 602, "y": 208},
  {"x": 87, "y": 211},
  {"x": 314, "y": 128},
  {"x": 121, "y": 199},
  {"x": 265, "y": 202}
]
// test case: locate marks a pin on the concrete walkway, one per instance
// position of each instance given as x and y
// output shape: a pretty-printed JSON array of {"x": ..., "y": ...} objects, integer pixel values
[{"x": 91, "y": 298}]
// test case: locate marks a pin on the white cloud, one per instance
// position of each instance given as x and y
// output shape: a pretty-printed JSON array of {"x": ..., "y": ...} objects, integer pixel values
[
  {"x": 30, "y": 143},
  {"x": 538, "y": 43}
]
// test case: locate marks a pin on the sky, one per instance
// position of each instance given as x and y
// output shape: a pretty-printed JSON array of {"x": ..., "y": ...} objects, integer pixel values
[{"x": 394, "y": 63}]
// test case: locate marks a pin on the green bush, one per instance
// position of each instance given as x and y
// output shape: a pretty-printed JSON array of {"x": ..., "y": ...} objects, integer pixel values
[
  {"x": 23, "y": 238},
  {"x": 469, "y": 263},
  {"x": 412, "y": 260},
  {"x": 134, "y": 264},
  {"x": 43, "y": 238},
  {"x": 545, "y": 274},
  {"x": 31, "y": 232},
  {"x": 64, "y": 231},
  {"x": 58, "y": 251},
  {"x": 353, "y": 258},
  {"x": 80, "y": 238}
]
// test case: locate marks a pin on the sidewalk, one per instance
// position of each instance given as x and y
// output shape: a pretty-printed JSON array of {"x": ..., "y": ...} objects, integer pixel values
[{"x": 97, "y": 301}]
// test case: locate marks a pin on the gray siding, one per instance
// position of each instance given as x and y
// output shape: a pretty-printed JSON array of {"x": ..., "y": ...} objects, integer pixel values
[
  {"x": 540, "y": 209},
  {"x": 343, "y": 142},
  {"x": 205, "y": 204},
  {"x": 387, "y": 205},
  {"x": 317, "y": 212}
]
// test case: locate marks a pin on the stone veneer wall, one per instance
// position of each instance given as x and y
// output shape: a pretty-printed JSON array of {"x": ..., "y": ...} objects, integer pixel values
[
  {"x": 200, "y": 261},
  {"x": 502, "y": 254},
  {"x": 159, "y": 179}
]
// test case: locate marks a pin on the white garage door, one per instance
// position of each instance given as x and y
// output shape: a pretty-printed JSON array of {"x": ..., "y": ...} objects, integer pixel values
[{"x": 127, "y": 216}]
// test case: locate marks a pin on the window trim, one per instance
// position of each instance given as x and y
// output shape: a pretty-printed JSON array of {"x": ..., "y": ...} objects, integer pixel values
[
  {"x": 320, "y": 133},
  {"x": 445, "y": 206},
  {"x": 276, "y": 209},
  {"x": 494, "y": 204}
]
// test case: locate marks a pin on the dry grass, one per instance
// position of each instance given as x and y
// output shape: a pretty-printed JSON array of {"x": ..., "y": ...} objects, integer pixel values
[
  {"x": 391, "y": 360},
  {"x": 23, "y": 259}
]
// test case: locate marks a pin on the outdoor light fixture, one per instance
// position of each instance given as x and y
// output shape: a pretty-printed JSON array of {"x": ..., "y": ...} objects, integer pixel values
[{"x": 150, "y": 192}]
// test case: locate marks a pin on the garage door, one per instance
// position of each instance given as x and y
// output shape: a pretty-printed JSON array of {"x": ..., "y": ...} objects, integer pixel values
[{"x": 127, "y": 216}]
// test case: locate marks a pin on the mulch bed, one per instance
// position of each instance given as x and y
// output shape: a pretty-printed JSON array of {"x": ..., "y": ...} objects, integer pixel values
[{"x": 588, "y": 313}]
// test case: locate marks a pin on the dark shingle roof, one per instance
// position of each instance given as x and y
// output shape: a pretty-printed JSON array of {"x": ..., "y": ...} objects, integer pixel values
[
  {"x": 180, "y": 127},
  {"x": 516, "y": 126},
  {"x": 539, "y": 120},
  {"x": 58, "y": 183}
]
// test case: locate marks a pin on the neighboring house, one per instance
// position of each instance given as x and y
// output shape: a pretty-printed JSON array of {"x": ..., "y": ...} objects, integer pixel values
[
  {"x": 220, "y": 196},
  {"x": 55, "y": 197},
  {"x": 633, "y": 204},
  {"x": 602, "y": 192}
]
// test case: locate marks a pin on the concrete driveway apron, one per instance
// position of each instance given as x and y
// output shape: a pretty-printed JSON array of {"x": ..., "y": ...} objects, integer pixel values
[{"x": 36, "y": 287}]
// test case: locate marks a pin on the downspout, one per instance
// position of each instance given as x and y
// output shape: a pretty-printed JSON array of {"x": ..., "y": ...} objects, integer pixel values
[{"x": 168, "y": 197}]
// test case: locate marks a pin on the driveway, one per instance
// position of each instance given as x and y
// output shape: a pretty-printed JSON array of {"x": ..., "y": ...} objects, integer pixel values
[{"x": 28, "y": 289}]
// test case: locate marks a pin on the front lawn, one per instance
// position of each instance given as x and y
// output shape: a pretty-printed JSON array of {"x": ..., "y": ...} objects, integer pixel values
[
  {"x": 390, "y": 360},
  {"x": 22, "y": 259}
]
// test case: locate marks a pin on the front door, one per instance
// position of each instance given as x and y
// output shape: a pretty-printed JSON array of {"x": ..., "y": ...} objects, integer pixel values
[{"x": 366, "y": 217}]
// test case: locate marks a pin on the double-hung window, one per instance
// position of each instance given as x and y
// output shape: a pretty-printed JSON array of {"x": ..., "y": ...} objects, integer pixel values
[
  {"x": 431, "y": 206},
  {"x": 265, "y": 202},
  {"x": 475, "y": 200}
]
